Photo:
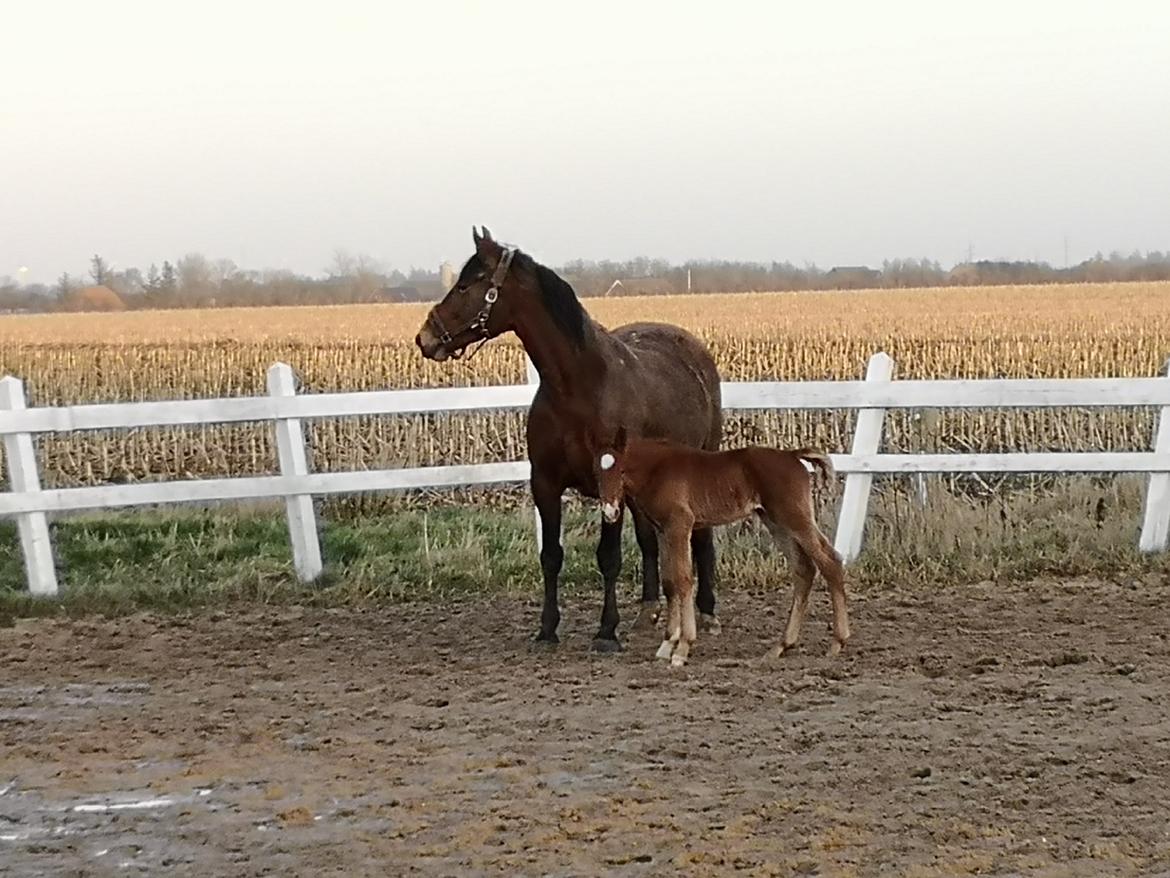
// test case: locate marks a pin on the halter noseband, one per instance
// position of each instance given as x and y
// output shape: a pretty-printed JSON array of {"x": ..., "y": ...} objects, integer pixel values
[{"x": 479, "y": 321}]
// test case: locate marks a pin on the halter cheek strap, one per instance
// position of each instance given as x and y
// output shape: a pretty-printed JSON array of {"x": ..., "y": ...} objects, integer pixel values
[{"x": 479, "y": 322}]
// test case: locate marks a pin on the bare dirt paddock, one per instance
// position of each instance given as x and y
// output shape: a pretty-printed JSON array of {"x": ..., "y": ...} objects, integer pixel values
[{"x": 1015, "y": 730}]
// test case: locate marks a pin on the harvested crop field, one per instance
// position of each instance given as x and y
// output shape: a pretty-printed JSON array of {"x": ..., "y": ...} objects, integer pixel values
[
  {"x": 993, "y": 729},
  {"x": 1057, "y": 331}
]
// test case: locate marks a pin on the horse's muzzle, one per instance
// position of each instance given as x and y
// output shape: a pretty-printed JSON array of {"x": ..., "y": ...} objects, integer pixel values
[
  {"x": 430, "y": 345},
  {"x": 611, "y": 512}
]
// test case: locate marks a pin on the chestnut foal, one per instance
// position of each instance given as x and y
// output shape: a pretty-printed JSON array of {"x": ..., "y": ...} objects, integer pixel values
[{"x": 680, "y": 489}]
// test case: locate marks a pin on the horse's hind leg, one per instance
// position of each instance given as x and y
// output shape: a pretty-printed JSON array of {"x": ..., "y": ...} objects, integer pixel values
[
  {"x": 803, "y": 573},
  {"x": 648, "y": 544},
  {"x": 703, "y": 549}
]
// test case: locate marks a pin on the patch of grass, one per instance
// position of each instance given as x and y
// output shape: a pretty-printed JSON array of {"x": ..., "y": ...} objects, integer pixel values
[
  {"x": 177, "y": 559},
  {"x": 182, "y": 558}
]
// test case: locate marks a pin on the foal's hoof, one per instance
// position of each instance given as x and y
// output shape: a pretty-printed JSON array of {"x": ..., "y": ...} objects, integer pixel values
[
  {"x": 665, "y": 650},
  {"x": 606, "y": 645},
  {"x": 708, "y": 624},
  {"x": 778, "y": 651},
  {"x": 647, "y": 616},
  {"x": 677, "y": 661},
  {"x": 835, "y": 648},
  {"x": 545, "y": 640}
]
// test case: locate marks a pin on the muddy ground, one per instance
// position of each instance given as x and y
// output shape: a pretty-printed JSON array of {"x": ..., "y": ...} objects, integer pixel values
[{"x": 990, "y": 730}]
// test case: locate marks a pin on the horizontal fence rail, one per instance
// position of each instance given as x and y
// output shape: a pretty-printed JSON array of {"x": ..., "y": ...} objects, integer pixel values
[
  {"x": 30, "y": 505},
  {"x": 743, "y": 395}
]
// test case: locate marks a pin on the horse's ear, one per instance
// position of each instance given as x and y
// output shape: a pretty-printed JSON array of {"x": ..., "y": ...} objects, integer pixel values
[
  {"x": 619, "y": 440},
  {"x": 475, "y": 238},
  {"x": 488, "y": 250}
]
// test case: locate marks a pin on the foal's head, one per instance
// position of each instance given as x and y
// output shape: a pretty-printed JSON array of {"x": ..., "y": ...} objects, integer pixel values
[
  {"x": 480, "y": 305},
  {"x": 611, "y": 488}
]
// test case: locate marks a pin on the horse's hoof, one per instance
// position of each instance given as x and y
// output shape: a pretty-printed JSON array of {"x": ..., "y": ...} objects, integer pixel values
[
  {"x": 777, "y": 652},
  {"x": 677, "y": 661},
  {"x": 835, "y": 648},
  {"x": 708, "y": 624},
  {"x": 647, "y": 616},
  {"x": 665, "y": 650},
  {"x": 606, "y": 645},
  {"x": 546, "y": 640}
]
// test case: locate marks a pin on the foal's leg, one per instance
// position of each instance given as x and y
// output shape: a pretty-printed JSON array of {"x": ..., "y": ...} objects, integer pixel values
[
  {"x": 648, "y": 544},
  {"x": 609, "y": 562},
  {"x": 820, "y": 551},
  {"x": 829, "y": 563},
  {"x": 703, "y": 547},
  {"x": 673, "y": 621},
  {"x": 681, "y": 631},
  {"x": 547, "y": 497},
  {"x": 803, "y": 573}
]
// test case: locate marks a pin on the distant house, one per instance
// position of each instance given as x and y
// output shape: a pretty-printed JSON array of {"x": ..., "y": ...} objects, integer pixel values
[
  {"x": 96, "y": 298},
  {"x": 852, "y": 277}
]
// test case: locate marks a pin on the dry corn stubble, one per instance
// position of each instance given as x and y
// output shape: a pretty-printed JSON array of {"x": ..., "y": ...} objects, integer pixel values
[{"x": 1052, "y": 331}]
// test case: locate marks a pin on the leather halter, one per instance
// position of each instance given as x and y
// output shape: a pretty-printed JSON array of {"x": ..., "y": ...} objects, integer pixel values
[{"x": 480, "y": 320}]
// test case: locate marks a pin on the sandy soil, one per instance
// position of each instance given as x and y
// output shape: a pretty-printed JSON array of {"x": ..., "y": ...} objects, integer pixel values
[{"x": 1021, "y": 730}]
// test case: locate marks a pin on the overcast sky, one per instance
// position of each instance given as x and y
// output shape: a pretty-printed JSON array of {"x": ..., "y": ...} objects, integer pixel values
[{"x": 274, "y": 133}]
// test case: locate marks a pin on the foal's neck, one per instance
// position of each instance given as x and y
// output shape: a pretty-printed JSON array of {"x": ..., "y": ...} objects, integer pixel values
[{"x": 640, "y": 457}]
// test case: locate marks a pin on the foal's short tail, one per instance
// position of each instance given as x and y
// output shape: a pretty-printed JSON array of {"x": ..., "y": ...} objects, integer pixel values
[{"x": 822, "y": 466}]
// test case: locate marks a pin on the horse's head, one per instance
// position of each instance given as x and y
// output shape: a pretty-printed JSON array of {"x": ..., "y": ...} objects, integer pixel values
[
  {"x": 608, "y": 461},
  {"x": 478, "y": 307}
]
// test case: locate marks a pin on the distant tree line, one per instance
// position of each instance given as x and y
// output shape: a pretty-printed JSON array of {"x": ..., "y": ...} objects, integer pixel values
[{"x": 194, "y": 281}]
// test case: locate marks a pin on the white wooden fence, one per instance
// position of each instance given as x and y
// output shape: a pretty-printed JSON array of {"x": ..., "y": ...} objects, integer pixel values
[{"x": 30, "y": 504}]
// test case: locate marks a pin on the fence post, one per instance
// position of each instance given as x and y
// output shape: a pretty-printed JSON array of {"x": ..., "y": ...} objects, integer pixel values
[
  {"x": 23, "y": 478},
  {"x": 1156, "y": 521},
  {"x": 290, "y": 450},
  {"x": 867, "y": 437}
]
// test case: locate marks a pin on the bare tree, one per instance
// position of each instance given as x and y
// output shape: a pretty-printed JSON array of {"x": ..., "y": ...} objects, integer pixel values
[{"x": 99, "y": 270}]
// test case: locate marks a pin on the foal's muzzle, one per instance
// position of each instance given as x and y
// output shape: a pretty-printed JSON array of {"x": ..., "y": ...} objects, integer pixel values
[{"x": 611, "y": 512}]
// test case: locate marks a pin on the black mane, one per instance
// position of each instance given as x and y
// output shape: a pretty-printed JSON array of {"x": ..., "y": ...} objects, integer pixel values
[{"x": 559, "y": 299}]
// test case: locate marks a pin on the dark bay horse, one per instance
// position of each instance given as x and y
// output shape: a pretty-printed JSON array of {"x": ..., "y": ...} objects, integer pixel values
[
  {"x": 653, "y": 379},
  {"x": 680, "y": 488}
]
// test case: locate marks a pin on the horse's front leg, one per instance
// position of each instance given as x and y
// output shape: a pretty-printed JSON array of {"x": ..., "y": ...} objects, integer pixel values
[
  {"x": 609, "y": 562},
  {"x": 547, "y": 497},
  {"x": 648, "y": 545}
]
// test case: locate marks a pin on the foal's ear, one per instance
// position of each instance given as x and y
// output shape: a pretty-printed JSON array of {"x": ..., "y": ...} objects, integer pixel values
[{"x": 619, "y": 440}]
